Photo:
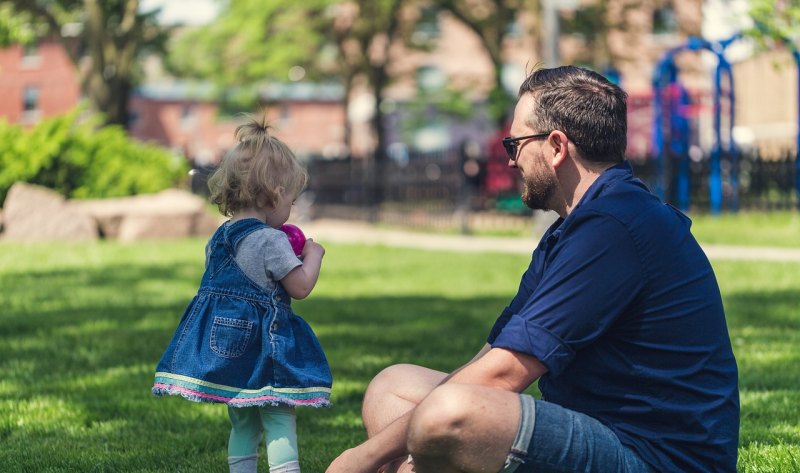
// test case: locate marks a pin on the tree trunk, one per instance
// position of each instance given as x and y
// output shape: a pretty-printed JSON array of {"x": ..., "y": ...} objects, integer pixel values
[
  {"x": 108, "y": 82},
  {"x": 109, "y": 94}
]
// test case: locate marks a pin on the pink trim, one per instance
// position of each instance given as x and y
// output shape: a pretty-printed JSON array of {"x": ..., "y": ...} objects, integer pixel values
[{"x": 171, "y": 387}]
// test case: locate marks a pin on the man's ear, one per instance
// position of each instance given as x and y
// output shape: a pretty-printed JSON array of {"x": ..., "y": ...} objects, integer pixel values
[{"x": 560, "y": 147}]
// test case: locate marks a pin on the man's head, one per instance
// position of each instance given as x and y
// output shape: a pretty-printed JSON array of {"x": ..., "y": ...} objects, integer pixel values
[
  {"x": 569, "y": 124},
  {"x": 584, "y": 105}
]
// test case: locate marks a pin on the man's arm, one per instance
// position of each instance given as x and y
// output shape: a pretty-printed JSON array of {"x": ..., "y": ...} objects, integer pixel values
[
  {"x": 492, "y": 367},
  {"x": 502, "y": 369}
]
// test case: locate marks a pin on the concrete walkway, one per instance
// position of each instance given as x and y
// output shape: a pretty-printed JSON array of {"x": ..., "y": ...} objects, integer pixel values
[{"x": 338, "y": 231}]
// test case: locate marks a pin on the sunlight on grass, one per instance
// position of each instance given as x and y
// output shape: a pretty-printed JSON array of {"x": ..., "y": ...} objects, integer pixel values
[
  {"x": 44, "y": 414},
  {"x": 781, "y": 229},
  {"x": 84, "y": 326},
  {"x": 343, "y": 420},
  {"x": 758, "y": 458}
]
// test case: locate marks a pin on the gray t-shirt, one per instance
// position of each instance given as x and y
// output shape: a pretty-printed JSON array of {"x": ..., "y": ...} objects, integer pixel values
[{"x": 266, "y": 257}]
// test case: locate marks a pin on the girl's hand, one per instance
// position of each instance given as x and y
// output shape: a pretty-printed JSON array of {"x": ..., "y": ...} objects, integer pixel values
[
  {"x": 301, "y": 280},
  {"x": 312, "y": 248}
]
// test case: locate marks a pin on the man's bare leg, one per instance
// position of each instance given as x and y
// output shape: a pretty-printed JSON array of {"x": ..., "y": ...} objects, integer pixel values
[
  {"x": 395, "y": 391},
  {"x": 463, "y": 428},
  {"x": 392, "y": 393}
]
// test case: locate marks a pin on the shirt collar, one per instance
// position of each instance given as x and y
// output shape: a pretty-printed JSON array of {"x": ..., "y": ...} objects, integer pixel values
[
  {"x": 609, "y": 177},
  {"x": 616, "y": 173}
]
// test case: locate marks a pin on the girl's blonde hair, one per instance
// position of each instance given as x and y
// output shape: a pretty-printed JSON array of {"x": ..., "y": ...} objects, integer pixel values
[{"x": 257, "y": 172}]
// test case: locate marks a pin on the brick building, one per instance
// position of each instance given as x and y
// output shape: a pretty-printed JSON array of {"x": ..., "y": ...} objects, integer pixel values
[
  {"x": 40, "y": 81},
  {"x": 36, "y": 81}
]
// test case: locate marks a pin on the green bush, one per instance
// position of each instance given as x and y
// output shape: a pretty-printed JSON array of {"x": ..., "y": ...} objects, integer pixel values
[{"x": 79, "y": 159}]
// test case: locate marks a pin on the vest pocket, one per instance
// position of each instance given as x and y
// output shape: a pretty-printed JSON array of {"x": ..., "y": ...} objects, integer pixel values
[{"x": 229, "y": 337}]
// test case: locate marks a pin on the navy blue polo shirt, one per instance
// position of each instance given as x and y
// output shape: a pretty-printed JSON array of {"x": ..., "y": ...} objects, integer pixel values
[{"x": 622, "y": 307}]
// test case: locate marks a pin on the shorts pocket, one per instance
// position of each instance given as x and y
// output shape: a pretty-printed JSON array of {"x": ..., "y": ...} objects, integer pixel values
[{"x": 229, "y": 337}]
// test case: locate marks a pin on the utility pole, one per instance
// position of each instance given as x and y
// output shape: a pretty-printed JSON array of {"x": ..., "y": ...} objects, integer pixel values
[{"x": 551, "y": 31}]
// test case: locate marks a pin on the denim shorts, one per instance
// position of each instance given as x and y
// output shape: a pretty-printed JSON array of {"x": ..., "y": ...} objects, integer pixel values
[{"x": 553, "y": 439}]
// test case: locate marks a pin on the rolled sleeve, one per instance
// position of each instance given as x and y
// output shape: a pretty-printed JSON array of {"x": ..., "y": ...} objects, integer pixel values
[{"x": 520, "y": 335}]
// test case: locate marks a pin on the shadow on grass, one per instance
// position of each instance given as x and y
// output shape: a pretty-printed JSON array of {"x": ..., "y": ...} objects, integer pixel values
[
  {"x": 78, "y": 350},
  {"x": 82, "y": 346}
]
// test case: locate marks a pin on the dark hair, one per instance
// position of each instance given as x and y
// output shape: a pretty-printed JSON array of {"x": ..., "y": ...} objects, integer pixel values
[{"x": 588, "y": 108}]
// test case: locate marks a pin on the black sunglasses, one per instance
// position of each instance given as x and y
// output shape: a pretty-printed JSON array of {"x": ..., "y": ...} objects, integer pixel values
[{"x": 511, "y": 144}]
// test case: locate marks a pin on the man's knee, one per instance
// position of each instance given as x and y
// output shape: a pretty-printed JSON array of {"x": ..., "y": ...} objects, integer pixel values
[
  {"x": 440, "y": 422},
  {"x": 381, "y": 391},
  {"x": 388, "y": 378}
]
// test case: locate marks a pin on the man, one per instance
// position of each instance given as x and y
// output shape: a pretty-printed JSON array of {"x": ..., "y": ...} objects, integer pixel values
[{"x": 618, "y": 316}]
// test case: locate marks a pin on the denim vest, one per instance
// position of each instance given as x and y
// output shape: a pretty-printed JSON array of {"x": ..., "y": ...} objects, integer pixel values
[{"x": 239, "y": 344}]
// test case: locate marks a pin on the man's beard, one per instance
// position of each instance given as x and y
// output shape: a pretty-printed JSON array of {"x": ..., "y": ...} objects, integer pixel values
[{"x": 539, "y": 189}]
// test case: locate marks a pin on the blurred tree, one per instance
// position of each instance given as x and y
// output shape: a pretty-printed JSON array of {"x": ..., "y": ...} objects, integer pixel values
[
  {"x": 363, "y": 31},
  {"x": 591, "y": 23},
  {"x": 250, "y": 43},
  {"x": 775, "y": 21},
  {"x": 109, "y": 34},
  {"x": 14, "y": 28},
  {"x": 491, "y": 21},
  {"x": 258, "y": 41}
]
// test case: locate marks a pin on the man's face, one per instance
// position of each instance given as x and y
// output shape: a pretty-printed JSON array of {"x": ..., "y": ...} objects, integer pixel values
[{"x": 538, "y": 175}]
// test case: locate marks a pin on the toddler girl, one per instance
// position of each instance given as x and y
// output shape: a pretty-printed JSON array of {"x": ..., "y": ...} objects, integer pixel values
[{"x": 238, "y": 342}]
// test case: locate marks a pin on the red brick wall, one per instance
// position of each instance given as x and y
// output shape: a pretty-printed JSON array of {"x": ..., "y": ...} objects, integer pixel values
[
  {"x": 188, "y": 127},
  {"x": 50, "y": 71},
  {"x": 309, "y": 127},
  {"x": 194, "y": 129}
]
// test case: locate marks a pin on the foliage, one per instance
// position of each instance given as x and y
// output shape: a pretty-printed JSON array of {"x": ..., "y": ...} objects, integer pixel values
[
  {"x": 81, "y": 160},
  {"x": 776, "y": 21},
  {"x": 490, "y": 21},
  {"x": 445, "y": 104},
  {"x": 250, "y": 43},
  {"x": 253, "y": 42},
  {"x": 112, "y": 34},
  {"x": 85, "y": 324},
  {"x": 14, "y": 28}
]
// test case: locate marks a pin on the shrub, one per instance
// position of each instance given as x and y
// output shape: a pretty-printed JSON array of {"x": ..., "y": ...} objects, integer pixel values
[{"x": 79, "y": 159}]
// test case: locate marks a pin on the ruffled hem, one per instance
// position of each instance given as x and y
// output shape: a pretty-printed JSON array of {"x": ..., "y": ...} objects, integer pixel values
[{"x": 161, "y": 389}]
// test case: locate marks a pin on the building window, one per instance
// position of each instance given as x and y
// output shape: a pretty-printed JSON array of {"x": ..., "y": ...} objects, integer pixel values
[
  {"x": 426, "y": 29},
  {"x": 664, "y": 22},
  {"x": 133, "y": 118},
  {"x": 30, "y": 105},
  {"x": 430, "y": 78},
  {"x": 188, "y": 119},
  {"x": 284, "y": 114},
  {"x": 30, "y": 56},
  {"x": 30, "y": 99}
]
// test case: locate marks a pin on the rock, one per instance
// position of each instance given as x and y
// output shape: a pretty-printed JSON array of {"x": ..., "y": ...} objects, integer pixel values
[
  {"x": 206, "y": 223},
  {"x": 155, "y": 227},
  {"x": 35, "y": 213},
  {"x": 171, "y": 213}
]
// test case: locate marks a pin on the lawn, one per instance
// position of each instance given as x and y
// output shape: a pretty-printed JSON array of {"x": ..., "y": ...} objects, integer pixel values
[{"x": 84, "y": 325}]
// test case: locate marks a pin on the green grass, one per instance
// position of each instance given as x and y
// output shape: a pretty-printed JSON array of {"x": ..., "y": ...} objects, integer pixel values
[
  {"x": 84, "y": 325},
  {"x": 779, "y": 229}
]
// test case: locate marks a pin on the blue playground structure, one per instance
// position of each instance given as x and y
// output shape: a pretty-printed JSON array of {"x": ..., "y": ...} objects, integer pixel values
[{"x": 672, "y": 128}]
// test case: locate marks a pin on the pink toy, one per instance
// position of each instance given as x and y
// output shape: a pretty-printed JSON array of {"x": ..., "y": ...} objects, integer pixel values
[{"x": 296, "y": 237}]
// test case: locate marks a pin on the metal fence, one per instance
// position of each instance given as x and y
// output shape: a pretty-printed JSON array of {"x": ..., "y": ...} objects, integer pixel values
[
  {"x": 749, "y": 181},
  {"x": 432, "y": 190},
  {"x": 447, "y": 190}
]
